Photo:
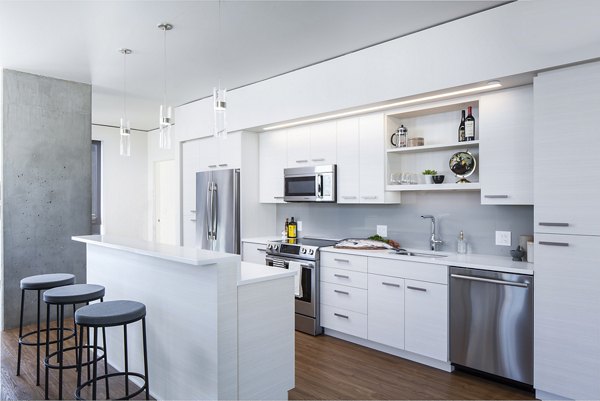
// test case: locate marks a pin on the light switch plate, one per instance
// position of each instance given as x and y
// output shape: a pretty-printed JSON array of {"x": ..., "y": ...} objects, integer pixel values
[
  {"x": 299, "y": 225},
  {"x": 503, "y": 238},
  {"x": 382, "y": 230}
]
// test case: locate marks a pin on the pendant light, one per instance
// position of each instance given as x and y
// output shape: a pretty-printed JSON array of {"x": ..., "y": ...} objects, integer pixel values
[
  {"x": 124, "y": 127},
  {"x": 220, "y": 94},
  {"x": 166, "y": 112}
]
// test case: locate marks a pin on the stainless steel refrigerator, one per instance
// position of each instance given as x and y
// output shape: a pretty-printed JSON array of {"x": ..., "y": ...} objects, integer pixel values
[{"x": 218, "y": 210}]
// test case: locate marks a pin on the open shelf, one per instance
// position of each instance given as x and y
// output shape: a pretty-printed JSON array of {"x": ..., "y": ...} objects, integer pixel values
[
  {"x": 473, "y": 186},
  {"x": 427, "y": 148}
]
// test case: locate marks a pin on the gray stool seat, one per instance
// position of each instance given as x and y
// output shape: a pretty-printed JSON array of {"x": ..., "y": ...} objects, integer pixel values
[
  {"x": 110, "y": 313},
  {"x": 74, "y": 294},
  {"x": 46, "y": 281}
]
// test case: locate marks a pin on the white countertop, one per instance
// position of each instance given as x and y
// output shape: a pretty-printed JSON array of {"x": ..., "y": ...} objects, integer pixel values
[
  {"x": 187, "y": 255},
  {"x": 254, "y": 273},
  {"x": 261, "y": 240},
  {"x": 470, "y": 260}
]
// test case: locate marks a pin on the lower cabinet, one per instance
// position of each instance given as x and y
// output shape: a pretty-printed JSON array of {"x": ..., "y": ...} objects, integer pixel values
[
  {"x": 426, "y": 319},
  {"x": 386, "y": 310},
  {"x": 254, "y": 252},
  {"x": 343, "y": 320}
]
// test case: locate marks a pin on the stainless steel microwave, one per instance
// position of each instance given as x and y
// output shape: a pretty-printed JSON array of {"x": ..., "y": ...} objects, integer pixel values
[{"x": 310, "y": 184}]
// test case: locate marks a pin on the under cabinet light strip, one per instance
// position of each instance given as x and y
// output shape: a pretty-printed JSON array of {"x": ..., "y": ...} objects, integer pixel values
[{"x": 488, "y": 86}]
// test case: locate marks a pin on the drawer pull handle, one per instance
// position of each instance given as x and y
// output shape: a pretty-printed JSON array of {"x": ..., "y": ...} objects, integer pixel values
[
  {"x": 547, "y": 224},
  {"x": 348, "y": 197},
  {"x": 341, "y": 292},
  {"x": 340, "y": 276},
  {"x": 416, "y": 288},
  {"x": 212, "y": 165},
  {"x": 192, "y": 219},
  {"x": 342, "y": 260},
  {"x": 390, "y": 284},
  {"x": 496, "y": 196},
  {"x": 261, "y": 249},
  {"x": 553, "y": 243},
  {"x": 223, "y": 165},
  {"x": 192, "y": 211},
  {"x": 318, "y": 160},
  {"x": 278, "y": 197},
  {"x": 340, "y": 315},
  {"x": 369, "y": 197},
  {"x": 301, "y": 161}
]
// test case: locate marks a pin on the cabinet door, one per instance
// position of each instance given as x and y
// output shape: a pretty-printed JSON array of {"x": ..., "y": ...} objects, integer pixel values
[
  {"x": 567, "y": 144},
  {"x": 348, "y": 168},
  {"x": 230, "y": 151},
  {"x": 371, "y": 159},
  {"x": 208, "y": 153},
  {"x": 253, "y": 253},
  {"x": 386, "y": 310},
  {"x": 190, "y": 162},
  {"x": 567, "y": 316},
  {"x": 426, "y": 319},
  {"x": 323, "y": 142},
  {"x": 298, "y": 150},
  {"x": 506, "y": 148},
  {"x": 272, "y": 161}
]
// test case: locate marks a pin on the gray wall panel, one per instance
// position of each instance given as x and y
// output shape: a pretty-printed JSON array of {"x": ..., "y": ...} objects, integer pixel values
[{"x": 47, "y": 181}]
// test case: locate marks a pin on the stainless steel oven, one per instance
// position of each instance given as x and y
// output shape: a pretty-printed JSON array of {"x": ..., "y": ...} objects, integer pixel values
[
  {"x": 310, "y": 184},
  {"x": 306, "y": 252}
]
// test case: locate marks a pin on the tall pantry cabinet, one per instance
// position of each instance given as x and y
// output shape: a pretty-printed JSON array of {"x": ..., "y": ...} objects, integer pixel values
[{"x": 567, "y": 227}]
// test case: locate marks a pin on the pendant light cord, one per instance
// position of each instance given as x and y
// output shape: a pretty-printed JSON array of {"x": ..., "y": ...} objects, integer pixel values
[
  {"x": 165, "y": 68},
  {"x": 219, "y": 55},
  {"x": 125, "y": 85}
]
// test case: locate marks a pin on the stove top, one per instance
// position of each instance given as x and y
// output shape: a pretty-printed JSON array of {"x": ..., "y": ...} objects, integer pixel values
[{"x": 303, "y": 248}]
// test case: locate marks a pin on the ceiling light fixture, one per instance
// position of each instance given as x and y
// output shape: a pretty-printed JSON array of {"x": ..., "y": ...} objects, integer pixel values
[
  {"x": 124, "y": 127},
  {"x": 166, "y": 112},
  {"x": 488, "y": 86},
  {"x": 220, "y": 94}
]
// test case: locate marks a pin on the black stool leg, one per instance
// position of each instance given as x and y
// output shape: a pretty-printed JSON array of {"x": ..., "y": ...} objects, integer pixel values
[
  {"x": 47, "y": 361},
  {"x": 37, "y": 368},
  {"x": 105, "y": 362},
  {"x": 75, "y": 332},
  {"x": 145, "y": 358},
  {"x": 88, "y": 349},
  {"x": 95, "y": 370},
  {"x": 80, "y": 352},
  {"x": 20, "y": 332},
  {"x": 126, "y": 361},
  {"x": 61, "y": 347}
]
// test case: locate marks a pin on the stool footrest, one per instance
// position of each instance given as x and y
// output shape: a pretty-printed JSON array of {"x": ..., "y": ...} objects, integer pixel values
[
  {"x": 24, "y": 336},
  {"x": 102, "y": 377},
  {"x": 55, "y": 353}
]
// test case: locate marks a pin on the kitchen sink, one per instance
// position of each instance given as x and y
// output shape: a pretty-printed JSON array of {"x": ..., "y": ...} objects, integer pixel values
[{"x": 403, "y": 252}]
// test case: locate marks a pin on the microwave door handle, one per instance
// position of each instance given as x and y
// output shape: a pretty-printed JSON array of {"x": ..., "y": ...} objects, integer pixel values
[{"x": 320, "y": 185}]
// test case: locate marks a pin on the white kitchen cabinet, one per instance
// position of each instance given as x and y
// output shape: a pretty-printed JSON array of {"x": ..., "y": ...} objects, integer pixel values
[
  {"x": 272, "y": 161},
  {"x": 386, "y": 310},
  {"x": 344, "y": 261},
  {"x": 506, "y": 147},
  {"x": 253, "y": 252},
  {"x": 323, "y": 143},
  {"x": 344, "y": 277},
  {"x": 567, "y": 316},
  {"x": 341, "y": 296},
  {"x": 566, "y": 140},
  {"x": 348, "y": 167},
  {"x": 208, "y": 153},
  {"x": 190, "y": 164},
  {"x": 343, "y": 320},
  {"x": 426, "y": 319},
  {"x": 220, "y": 153},
  {"x": 298, "y": 146}
]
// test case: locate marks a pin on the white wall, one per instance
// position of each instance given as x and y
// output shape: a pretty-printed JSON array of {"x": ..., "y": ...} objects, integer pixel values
[
  {"x": 516, "y": 38},
  {"x": 124, "y": 184}
]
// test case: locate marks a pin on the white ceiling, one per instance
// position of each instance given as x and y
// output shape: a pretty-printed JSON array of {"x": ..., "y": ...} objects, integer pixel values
[{"x": 78, "y": 40}]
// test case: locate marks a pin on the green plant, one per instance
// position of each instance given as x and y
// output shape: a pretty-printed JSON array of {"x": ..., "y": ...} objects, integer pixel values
[{"x": 429, "y": 172}]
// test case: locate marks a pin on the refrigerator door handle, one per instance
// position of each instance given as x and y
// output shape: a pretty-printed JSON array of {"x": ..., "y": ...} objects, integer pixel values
[
  {"x": 215, "y": 209},
  {"x": 236, "y": 212},
  {"x": 208, "y": 211}
]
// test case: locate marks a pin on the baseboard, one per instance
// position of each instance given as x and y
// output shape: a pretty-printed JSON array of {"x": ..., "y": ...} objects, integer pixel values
[{"x": 546, "y": 396}]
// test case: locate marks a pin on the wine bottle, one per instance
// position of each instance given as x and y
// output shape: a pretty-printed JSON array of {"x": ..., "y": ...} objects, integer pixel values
[
  {"x": 470, "y": 125},
  {"x": 461, "y": 129},
  {"x": 292, "y": 232}
]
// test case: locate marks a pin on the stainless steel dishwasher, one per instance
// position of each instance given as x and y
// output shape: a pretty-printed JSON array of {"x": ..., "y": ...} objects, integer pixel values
[{"x": 491, "y": 322}]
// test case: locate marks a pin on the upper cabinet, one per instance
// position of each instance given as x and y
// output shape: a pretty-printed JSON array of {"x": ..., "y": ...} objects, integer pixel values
[
  {"x": 506, "y": 148},
  {"x": 272, "y": 161},
  {"x": 567, "y": 144},
  {"x": 311, "y": 145},
  {"x": 220, "y": 153},
  {"x": 348, "y": 168}
]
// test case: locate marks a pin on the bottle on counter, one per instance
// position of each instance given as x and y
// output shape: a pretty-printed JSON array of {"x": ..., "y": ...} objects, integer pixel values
[
  {"x": 461, "y": 128},
  {"x": 287, "y": 227},
  {"x": 461, "y": 246},
  {"x": 292, "y": 229},
  {"x": 470, "y": 125}
]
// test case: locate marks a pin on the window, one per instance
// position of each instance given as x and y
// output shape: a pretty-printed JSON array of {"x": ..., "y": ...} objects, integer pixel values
[{"x": 96, "y": 186}]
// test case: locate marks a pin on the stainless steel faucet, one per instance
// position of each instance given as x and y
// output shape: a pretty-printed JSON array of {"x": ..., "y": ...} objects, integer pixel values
[{"x": 433, "y": 241}]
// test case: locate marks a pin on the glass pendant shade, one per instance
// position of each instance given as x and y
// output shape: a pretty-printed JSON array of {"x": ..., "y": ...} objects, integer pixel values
[
  {"x": 166, "y": 121},
  {"x": 220, "y": 112},
  {"x": 125, "y": 140}
]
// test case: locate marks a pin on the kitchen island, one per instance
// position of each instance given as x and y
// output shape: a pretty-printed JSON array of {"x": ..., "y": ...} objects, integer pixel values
[{"x": 217, "y": 328}]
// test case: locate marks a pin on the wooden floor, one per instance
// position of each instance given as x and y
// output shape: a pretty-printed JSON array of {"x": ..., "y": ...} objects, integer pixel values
[{"x": 326, "y": 369}]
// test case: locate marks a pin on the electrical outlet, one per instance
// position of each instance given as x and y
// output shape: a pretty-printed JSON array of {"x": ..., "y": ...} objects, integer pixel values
[
  {"x": 299, "y": 225},
  {"x": 503, "y": 238},
  {"x": 382, "y": 230}
]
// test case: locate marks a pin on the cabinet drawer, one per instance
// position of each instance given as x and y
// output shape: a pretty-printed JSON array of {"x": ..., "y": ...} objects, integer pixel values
[
  {"x": 386, "y": 310},
  {"x": 344, "y": 261},
  {"x": 253, "y": 252},
  {"x": 409, "y": 269},
  {"x": 350, "y": 298},
  {"x": 344, "y": 277},
  {"x": 346, "y": 321}
]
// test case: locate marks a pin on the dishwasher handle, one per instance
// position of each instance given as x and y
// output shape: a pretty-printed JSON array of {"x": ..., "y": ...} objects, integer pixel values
[{"x": 489, "y": 280}]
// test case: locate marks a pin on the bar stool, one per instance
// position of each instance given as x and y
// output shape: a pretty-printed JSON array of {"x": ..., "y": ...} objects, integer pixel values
[
  {"x": 111, "y": 314},
  {"x": 61, "y": 296},
  {"x": 39, "y": 283}
]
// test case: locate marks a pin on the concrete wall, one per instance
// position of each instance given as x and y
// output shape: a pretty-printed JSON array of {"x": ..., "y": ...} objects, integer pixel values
[
  {"x": 454, "y": 211},
  {"x": 124, "y": 184},
  {"x": 46, "y": 182}
]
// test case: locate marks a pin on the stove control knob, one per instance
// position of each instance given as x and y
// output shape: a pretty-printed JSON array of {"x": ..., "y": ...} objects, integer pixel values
[
  {"x": 303, "y": 250},
  {"x": 269, "y": 246},
  {"x": 312, "y": 252},
  {"x": 275, "y": 247}
]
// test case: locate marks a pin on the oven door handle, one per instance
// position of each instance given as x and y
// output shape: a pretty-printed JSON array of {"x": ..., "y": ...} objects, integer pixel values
[{"x": 307, "y": 266}]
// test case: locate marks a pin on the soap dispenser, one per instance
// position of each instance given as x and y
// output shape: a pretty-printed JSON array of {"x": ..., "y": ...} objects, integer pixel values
[{"x": 461, "y": 247}]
